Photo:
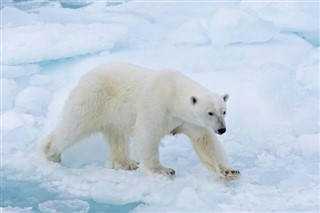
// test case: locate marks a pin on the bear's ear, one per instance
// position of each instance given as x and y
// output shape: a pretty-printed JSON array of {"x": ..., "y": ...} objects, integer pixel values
[
  {"x": 193, "y": 100},
  {"x": 225, "y": 97}
]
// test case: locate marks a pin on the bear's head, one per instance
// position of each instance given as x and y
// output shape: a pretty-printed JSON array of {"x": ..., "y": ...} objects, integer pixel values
[{"x": 209, "y": 110}]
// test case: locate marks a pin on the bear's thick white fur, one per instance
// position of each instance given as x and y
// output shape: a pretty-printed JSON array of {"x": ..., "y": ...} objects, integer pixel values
[{"x": 124, "y": 102}]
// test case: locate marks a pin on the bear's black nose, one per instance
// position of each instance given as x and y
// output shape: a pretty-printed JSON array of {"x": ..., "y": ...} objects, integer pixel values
[{"x": 221, "y": 131}]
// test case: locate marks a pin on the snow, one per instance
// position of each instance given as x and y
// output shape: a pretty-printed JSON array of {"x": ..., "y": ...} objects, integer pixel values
[
  {"x": 308, "y": 72},
  {"x": 10, "y": 209},
  {"x": 12, "y": 119},
  {"x": 309, "y": 145},
  {"x": 13, "y": 17},
  {"x": 264, "y": 54}
]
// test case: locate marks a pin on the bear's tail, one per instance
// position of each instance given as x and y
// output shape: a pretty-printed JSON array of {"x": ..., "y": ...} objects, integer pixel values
[{"x": 48, "y": 151}]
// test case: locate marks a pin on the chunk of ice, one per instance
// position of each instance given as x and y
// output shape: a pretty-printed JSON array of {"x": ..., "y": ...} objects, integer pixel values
[
  {"x": 8, "y": 91},
  {"x": 33, "y": 100},
  {"x": 190, "y": 33},
  {"x": 231, "y": 25},
  {"x": 66, "y": 206}
]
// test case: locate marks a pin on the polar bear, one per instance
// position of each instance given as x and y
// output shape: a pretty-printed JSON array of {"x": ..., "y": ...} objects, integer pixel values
[{"x": 124, "y": 101}]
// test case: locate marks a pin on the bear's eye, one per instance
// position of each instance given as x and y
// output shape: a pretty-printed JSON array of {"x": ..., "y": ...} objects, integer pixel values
[
  {"x": 224, "y": 112},
  {"x": 193, "y": 100},
  {"x": 210, "y": 113}
]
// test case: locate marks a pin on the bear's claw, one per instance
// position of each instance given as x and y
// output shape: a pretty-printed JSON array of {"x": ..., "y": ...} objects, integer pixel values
[
  {"x": 171, "y": 172},
  {"x": 164, "y": 170},
  {"x": 231, "y": 174},
  {"x": 131, "y": 167},
  {"x": 168, "y": 171}
]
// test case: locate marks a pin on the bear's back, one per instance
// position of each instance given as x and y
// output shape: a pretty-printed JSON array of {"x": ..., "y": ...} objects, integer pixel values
[{"x": 116, "y": 79}]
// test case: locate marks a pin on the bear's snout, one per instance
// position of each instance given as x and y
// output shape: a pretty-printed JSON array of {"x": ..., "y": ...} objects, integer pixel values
[{"x": 221, "y": 131}]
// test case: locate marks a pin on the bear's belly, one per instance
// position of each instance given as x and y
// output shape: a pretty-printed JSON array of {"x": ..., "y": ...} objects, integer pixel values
[{"x": 120, "y": 115}]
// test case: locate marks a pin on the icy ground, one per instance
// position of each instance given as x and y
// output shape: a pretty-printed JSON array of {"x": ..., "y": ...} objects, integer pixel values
[{"x": 264, "y": 54}]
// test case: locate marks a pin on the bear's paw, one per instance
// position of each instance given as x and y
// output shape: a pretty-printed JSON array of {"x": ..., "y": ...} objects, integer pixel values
[{"x": 54, "y": 158}]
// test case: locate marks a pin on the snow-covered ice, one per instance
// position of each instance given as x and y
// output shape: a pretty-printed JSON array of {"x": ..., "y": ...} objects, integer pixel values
[
  {"x": 189, "y": 33},
  {"x": 291, "y": 17},
  {"x": 19, "y": 71},
  {"x": 46, "y": 43},
  {"x": 33, "y": 100},
  {"x": 264, "y": 54},
  {"x": 232, "y": 26}
]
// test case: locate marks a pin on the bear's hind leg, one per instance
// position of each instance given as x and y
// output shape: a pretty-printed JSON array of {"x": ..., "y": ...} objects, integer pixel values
[
  {"x": 48, "y": 150},
  {"x": 62, "y": 138},
  {"x": 119, "y": 151}
]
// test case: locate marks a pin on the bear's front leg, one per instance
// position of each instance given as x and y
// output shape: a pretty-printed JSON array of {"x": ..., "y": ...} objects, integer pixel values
[
  {"x": 210, "y": 151},
  {"x": 151, "y": 122},
  {"x": 147, "y": 148}
]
